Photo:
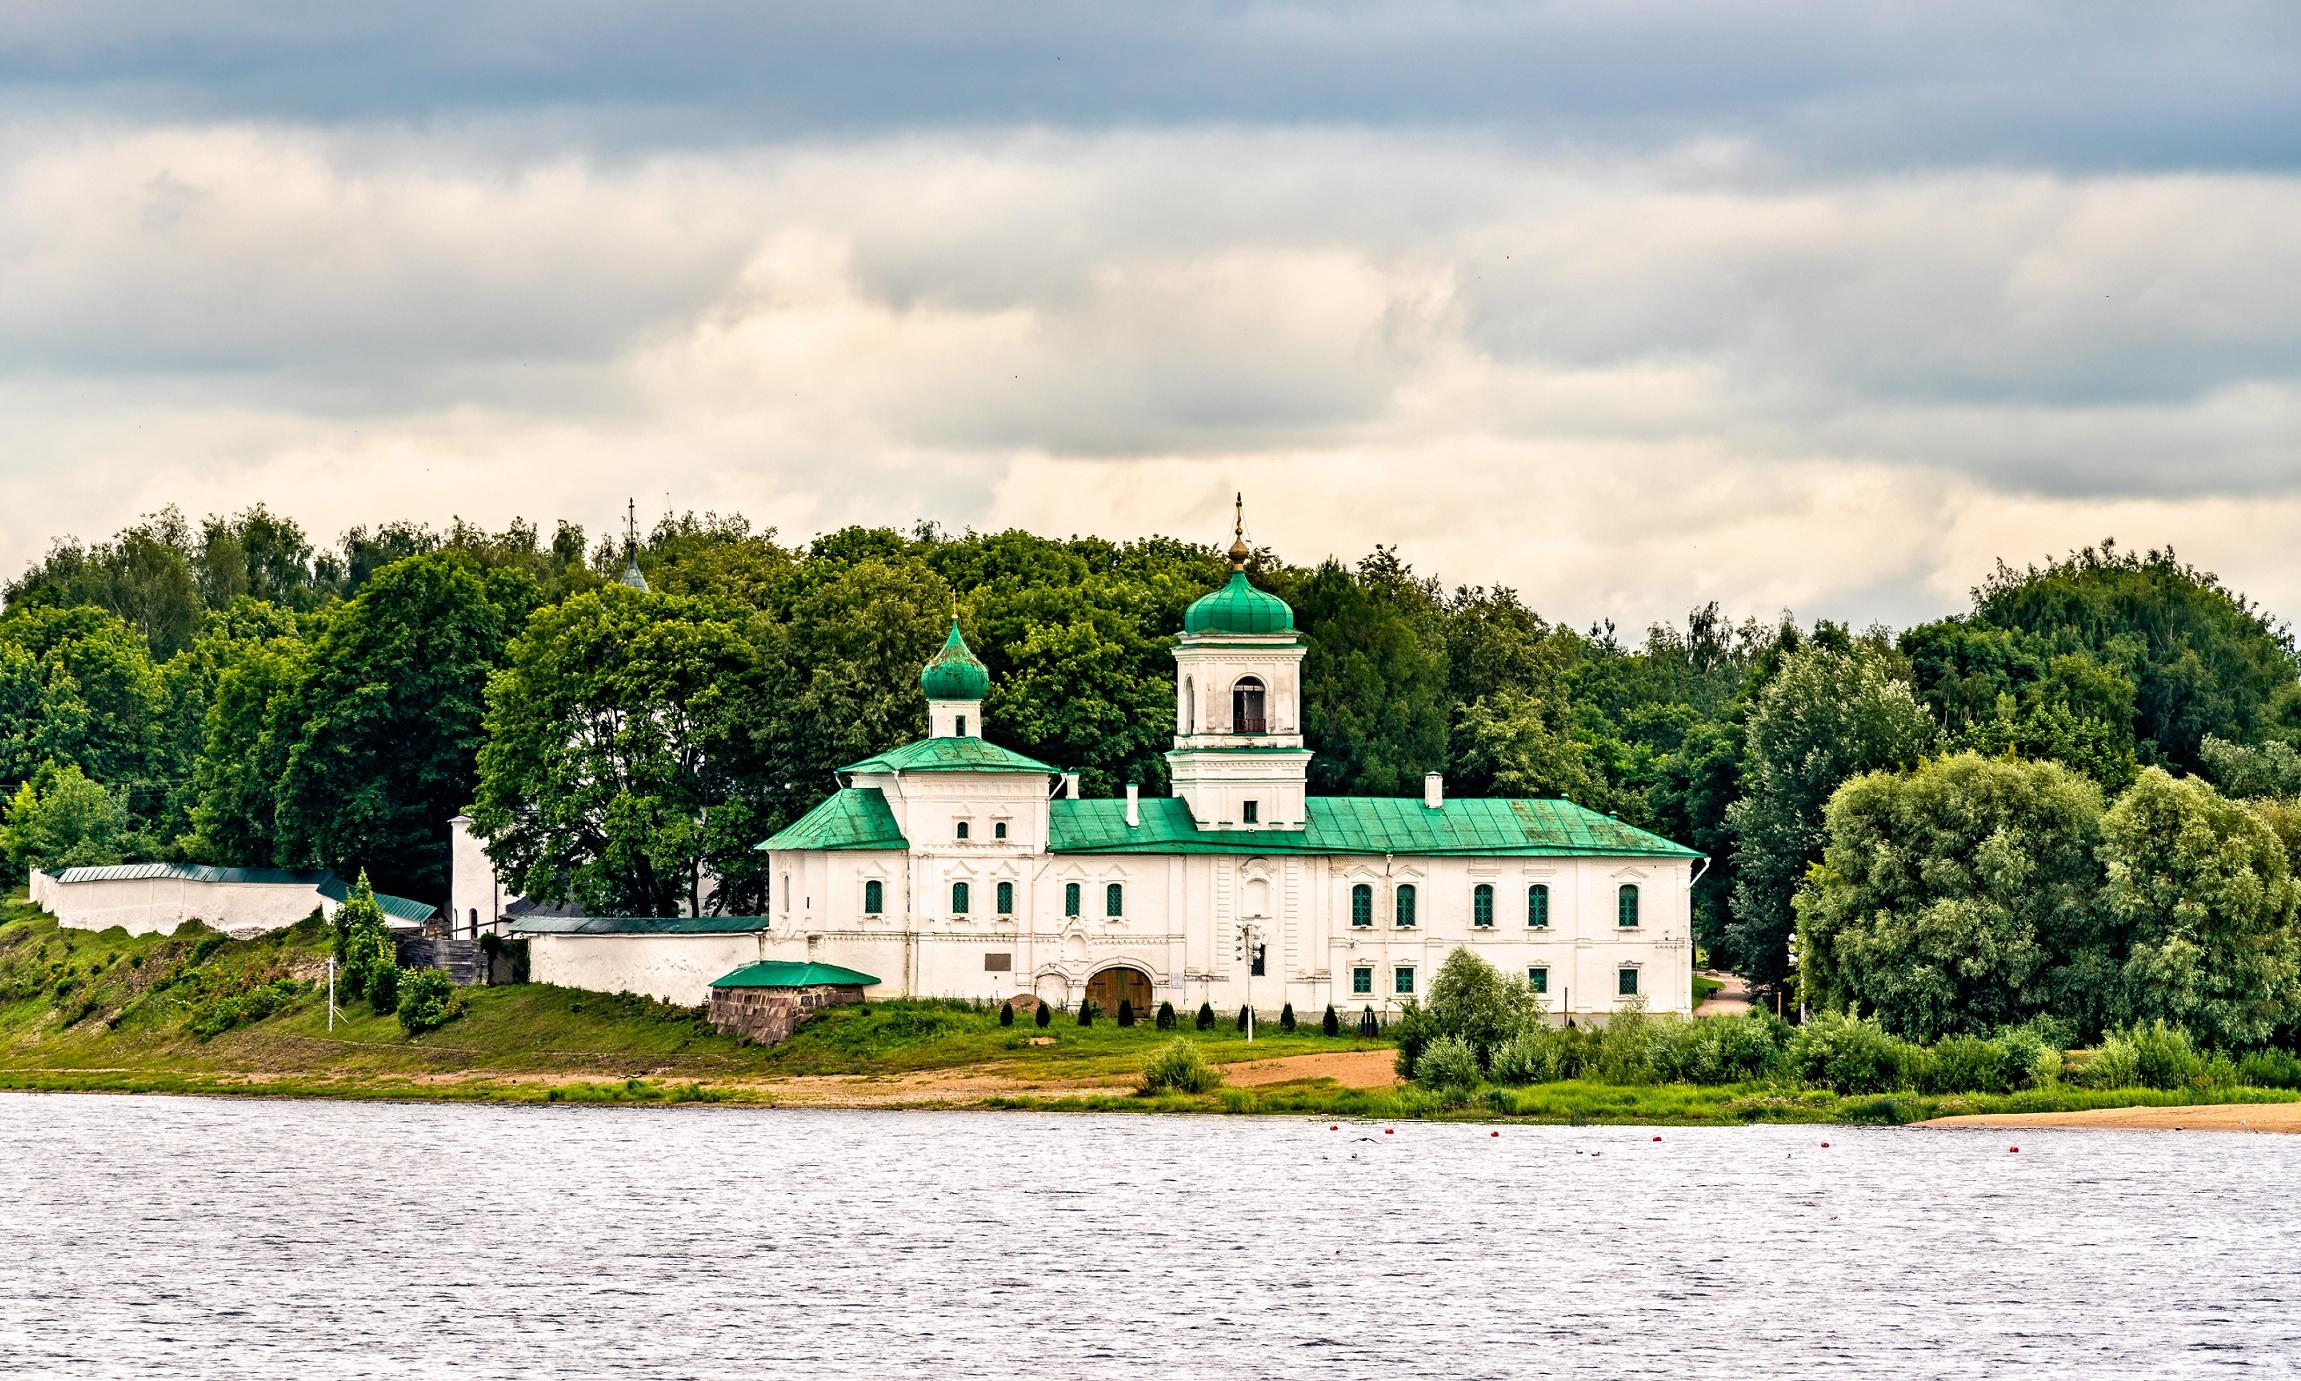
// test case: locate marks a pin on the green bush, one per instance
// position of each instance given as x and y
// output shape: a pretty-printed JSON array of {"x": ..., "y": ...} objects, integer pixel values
[
  {"x": 1330, "y": 1024},
  {"x": 427, "y": 1001},
  {"x": 2154, "y": 1056},
  {"x": 208, "y": 945},
  {"x": 1448, "y": 1066},
  {"x": 1126, "y": 1011},
  {"x": 1165, "y": 1019},
  {"x": 1626, "y": 1046},
  {"x": 1179, "y": 1068},
  {"x": 1245, "y": 1015},
  {"x": 383, "y": 989},
  {"x": 1043, "y": 1017},
  {"x": 1469, "y": 999},
  {"x": 1966, "y": 1064},
  {"x": 1206, "y": 1016},
  {"x": 1088, "y": 1011},
  {"x": 1714, "y": 1050},
  {"x": 1006, "y": 1014},
  {"x": 1286, "y": 1018},
  {"x": 1542, "y": 1054},
  {"x": 2270, "y": 1069},
  {"x": 1849, "y": 1055}
]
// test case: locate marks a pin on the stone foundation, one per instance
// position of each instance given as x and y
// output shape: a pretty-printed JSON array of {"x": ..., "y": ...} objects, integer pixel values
[{"x": 768, "y": 1016}]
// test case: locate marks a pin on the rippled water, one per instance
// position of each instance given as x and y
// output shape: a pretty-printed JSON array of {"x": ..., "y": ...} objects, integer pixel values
[{"x": 158, "y": 1236}]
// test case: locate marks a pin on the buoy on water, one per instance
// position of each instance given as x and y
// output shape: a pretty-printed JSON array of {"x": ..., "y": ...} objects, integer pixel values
[
  {"x": 1494, "y": 1134},
  {"x": 2014, "y": 1150},
  {"x": 1388, "y": 1131},
  {"x": 1825, "y": 1146},
  {"x": 1657, "y": 1138}
]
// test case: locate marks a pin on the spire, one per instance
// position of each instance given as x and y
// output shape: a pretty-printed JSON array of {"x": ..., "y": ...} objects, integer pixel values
[
  {"x": 1238, "y": 551},
  {"x": 631, "y": 573}
]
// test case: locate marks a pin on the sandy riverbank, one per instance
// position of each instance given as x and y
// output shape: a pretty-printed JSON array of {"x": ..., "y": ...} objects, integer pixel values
[{"x": 2218, "y": 1117}]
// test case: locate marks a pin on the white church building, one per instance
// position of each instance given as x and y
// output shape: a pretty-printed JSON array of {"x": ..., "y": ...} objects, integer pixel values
[{"x": 954, "y": 867}]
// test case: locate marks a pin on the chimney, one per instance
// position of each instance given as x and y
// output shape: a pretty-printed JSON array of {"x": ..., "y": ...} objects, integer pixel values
[
  {"x": 1134, "y": 805},
  {"x": 1070, "y": 786},
  {"x": 1433, "y": 790}
]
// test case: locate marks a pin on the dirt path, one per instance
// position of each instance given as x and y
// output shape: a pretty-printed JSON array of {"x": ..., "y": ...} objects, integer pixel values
[
  {"x": 1731, "y": 1000},
  {"x": 1376, "y": 1069},
  {"x": 2210, "y": 1117}
]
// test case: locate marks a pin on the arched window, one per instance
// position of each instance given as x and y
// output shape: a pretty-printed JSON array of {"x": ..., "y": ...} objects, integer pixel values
[
  {"x": 962, "y": 829},
  {"x": 1626, "y": 905},
  {"x": 1246, "y": 707},
  {"x": 1538, "y": 906},
  {"x": 874, "y": 897},
  {"x": 1403, "y": 905},
  {"x": 1189, "y": 707},
  {"x": 475, "y": 920},
  {"x": 999, "y": 830},
  {"x": 1006, "y": 899},
  {"x": 958, "y": 899},
  {"x": 1115, "y": 899},
  {"x": 1362, "y": 905},
  {"x": 1482, "y": 906},
  {"x": 1070, "y": 899}
]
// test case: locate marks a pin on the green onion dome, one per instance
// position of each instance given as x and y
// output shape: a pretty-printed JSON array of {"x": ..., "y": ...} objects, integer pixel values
[
  {"x": 955, "y": 673},
  {"x": 1238, "y": 608}
]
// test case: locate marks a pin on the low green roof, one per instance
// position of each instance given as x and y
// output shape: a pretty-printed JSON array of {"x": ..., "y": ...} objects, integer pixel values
[
  {"x": 855, "y": 817},
  {"x": 954, "y": 754},
  {"x": 398, "y": 908},
  {"x": 638, "y": 925},
  {"x": 1361, "y": 825},
  {"x": 788, "y": 973}
]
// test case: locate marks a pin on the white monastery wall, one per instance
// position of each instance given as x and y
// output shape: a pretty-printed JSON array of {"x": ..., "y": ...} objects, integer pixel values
[
  {"x": 143, "y": 906},
  {"x": 678, "y": 969}
]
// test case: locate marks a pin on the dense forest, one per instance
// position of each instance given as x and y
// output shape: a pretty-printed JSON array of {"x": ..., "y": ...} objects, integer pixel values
[{"x": 2071, "y": 799}]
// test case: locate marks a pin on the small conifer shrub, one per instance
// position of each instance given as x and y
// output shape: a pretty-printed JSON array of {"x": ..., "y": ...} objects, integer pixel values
[
  {"x": 1166, "y": 1016},
  {"x": 1330, "y": 1024},
  {"x": 1286, "y": 1018},
  {"x": 1045, "y": 1015},
  {"x": 1245, "y": 1015},
  {"x": 1206, "y": 1016},
  {"x": 1126, "y": 1011},
  {"x": 1087, "y": 1011},
  {"x": 1006, "y": 1014}
]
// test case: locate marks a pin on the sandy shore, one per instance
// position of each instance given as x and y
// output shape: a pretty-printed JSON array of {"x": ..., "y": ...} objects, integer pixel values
[{"x": 2211, "y": 1117}]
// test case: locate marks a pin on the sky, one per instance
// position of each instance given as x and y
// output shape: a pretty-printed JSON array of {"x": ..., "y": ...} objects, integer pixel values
[{"x": 1630, "y": 306}]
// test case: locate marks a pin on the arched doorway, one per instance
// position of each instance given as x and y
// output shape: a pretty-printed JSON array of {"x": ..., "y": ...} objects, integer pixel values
[
  {"x": 1246, "y": 716},
  {"x": 1108, "y": 988}
]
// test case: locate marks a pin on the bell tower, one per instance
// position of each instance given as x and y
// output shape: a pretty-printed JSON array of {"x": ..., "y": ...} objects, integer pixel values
[{"x": 1238, "y": 758}]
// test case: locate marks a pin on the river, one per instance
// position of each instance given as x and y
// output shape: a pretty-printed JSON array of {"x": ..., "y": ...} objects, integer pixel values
[{"x": 208, "y": 1237}]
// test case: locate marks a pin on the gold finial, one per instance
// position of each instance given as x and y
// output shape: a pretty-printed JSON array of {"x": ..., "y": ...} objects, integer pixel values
[{"x": 1238, "y": 551}]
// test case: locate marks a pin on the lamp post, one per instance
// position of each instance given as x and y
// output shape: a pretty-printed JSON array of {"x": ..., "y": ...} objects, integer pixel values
[{"x": 1249, "y": 935}]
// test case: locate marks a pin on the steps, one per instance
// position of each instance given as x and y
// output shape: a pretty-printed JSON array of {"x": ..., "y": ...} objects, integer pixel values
[{"x": 458, "y": 959}]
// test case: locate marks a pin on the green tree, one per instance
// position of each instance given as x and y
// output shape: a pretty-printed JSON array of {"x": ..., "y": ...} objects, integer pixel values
[
  {"x": 1374, "y": 678},
  {"x": 2258, "y": 769},
  {"x": 363, "y": 946},
  {"x": 250, "y": 728},
  {"x": 388, "y": 718},
  {"x": 2204, "y": 893},
  {"x": 1471, "y": 1002},
  {"x": 80, "y": 688},
  {"x": 61, "y": 819},
  {"x": 1960, "y": 896},
  {"x": 1826, "y": 715}
]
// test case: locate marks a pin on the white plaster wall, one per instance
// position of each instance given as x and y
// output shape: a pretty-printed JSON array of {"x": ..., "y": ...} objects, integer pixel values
[
  {"x": 473, "y": 888},
  {"x": 678, "y": 969},
  {"x": 143, "y": 906}
]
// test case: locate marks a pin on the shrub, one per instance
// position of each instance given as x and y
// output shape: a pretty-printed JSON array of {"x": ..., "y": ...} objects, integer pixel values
[
  {"x": 1626, "y": 1046},
  {"x": 2270, "y": 1069},
  {"x": 2164, "y": 1057},
  {"x": 1206, "y": 1016},
  {"x": 1088, "y": 1011},
  {"x": 1471, "y": 1000},
  {"x": 2032, "y": 1056},
  {"x": 1165, "y": 1018},
  {"x": 1245, "y": 1015},
  {"x": 1966, "y": 1064},
  {"x": 428, "y": 1001},
  {"x": 1179, "y": 1068},
  {"x": 1330, "y": 1024},
  {"x": 1849, "y": 1055},
  {"x": 1414, "y": 1032},
  {"x": 1448, "y": 1066},
  {"x": 208, "y": 945},
  {"x": 1126, "y": 1011},
  {"x": 383, "y": 989},
  {"x": 1043, "y": 1016},
  {"x": 2113, "y": 1064},
  {"x": 1286, "y": 1018},
  {"x": 1006, "y": 1014}
]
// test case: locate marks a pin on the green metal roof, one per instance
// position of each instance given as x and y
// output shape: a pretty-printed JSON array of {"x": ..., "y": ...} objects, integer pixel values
[
  {"x": 854, "y": 817},
  {"x": 639, "y": 925},
  {"x": 1361, "y": 825},
  {"x": 321, "y": 880},
  {"x": 787, "y": 973},
  {"x": 1238, "y": 607},
  {"x": 956, "y": 754},
  {"x": 397, "y": 908},
  {"x": 955, "y": 672}
]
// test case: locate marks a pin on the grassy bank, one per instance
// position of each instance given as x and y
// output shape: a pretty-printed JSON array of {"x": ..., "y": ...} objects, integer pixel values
[{"x": 203, "y": 1014}]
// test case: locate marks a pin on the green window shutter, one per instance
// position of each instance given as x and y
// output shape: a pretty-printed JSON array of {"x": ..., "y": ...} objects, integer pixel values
[
  {"x": 1250, "y": 813},
  {"x": 1405, "y": 906},
  {"x": 874, "y": 897},
  {"x": 1070, "y": 899},
  {"x": 1538, "y": 978},
  {"x": 1626, "y": 905},
  {"x": 1402, "y": 978},
  {"x": 958, "y": 899},
  {"x": 1006, "y": 899},
  {"x": 962, "y": 829},
  {"x": 1362, "y": 905},
  {"x": 1482, "y": 906},
  {"x": 1538, "y": 905},
  {"x": 999, "y": 830},
  {"x": 1362, "y": 980},
  {"x": 1626, "y": 982},
  {"x": 1115, "y": 899}
]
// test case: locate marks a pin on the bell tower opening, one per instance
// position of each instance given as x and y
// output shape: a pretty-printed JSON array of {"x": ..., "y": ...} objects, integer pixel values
[
  {"x": 1246, "y": 716},
  {"x": 1239, "y": 759}
]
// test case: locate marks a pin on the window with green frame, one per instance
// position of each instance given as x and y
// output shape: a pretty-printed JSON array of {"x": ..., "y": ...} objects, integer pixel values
[
  {"x": 1626, "y": 905},
  {"x": 1070, "y": 899},
  {"x": 874, "y": 897},
  {"x": 1538, "y": 906},
  {"x": 1402, "y": 904},
  {"x": 1362, "y": 980},
  {"x": 1115, "y": 899},
  {"x": 1482, "y": 906},
  {"x": 959, "y": 898},
  {"x": 1402, "y": 980},
  {"x": 1006, "y": 899},
  {"x": 1362, "y": 904},
  {"x": 1538, "y": 979},
  {"x": 1626, "y": 982}
]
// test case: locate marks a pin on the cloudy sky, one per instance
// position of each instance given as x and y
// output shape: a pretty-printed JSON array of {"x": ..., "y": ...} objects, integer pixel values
[{"x": 1630, "y": 305}]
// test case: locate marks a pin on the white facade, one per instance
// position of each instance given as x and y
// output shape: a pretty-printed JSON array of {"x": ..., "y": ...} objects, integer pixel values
[
  {"x": 150, "y": 898},
  {"x": 677, "y": 969}
]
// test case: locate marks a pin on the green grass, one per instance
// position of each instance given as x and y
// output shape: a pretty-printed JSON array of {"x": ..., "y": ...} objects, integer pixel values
[{"x": 1703, "y": 987}]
